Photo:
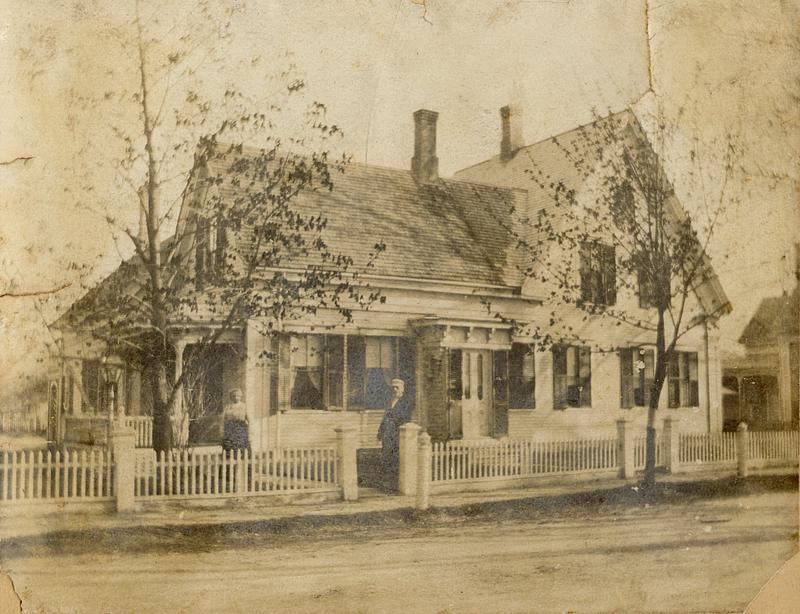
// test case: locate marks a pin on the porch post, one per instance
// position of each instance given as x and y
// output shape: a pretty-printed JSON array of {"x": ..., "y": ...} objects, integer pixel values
[
  {"x": 181, "y": 424},
  {"x": 348, "y": 465},
  {"x": 407, "y": 483},
  {"x": 123, "y": 442},
  {"x": 625, "y": 446},
  {"x": 742, "y": 451},
  {"x": 671, "y": 444},
  {"x": 423, "y": 471}
]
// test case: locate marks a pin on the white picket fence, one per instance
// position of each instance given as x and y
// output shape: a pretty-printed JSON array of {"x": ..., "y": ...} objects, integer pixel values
[
  {"x": 240, "y": 473},
  {"x": 707, "y": 448},
  {"x": 774, "y": 445},
  {"x": 143, "y": 427},
  {"x": 640, "y": 451},
  {"x": 40, "y": 476},
  {"x": 17, "y": 422},
  {"x": 491, "y": 459}
]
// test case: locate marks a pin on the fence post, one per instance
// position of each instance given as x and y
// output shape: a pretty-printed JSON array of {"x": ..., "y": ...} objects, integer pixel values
[
  {"x": 123, "y": 447},
  {"x": 742, "y": 449},
  {"x": 407, "y": 482},
  {"x": 423, "y": 471},
  {"x": 625, "y": 446},
  {"x": 672, "y": 444},
  {"x": 348, "y": 466}
]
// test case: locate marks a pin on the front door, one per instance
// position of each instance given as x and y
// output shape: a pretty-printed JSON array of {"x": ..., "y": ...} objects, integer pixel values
[{"x": 476, "y": 403}]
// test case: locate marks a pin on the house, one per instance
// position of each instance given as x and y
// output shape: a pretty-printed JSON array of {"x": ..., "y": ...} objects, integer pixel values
[
  {"x": 472, "y": 371},
  {"x": 762, "y": 386}
]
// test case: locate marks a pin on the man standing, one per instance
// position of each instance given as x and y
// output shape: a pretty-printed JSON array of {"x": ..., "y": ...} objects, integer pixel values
[{"x": 397, "y": 414}]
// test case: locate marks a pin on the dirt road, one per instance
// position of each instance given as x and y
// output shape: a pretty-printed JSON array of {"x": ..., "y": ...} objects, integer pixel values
[{"x": 694, "y": 556}]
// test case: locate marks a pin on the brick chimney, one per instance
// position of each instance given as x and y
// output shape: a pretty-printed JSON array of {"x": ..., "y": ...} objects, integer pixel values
[
  {"x": 425, "y": 164},
  {"x": 511, "y": 125}
]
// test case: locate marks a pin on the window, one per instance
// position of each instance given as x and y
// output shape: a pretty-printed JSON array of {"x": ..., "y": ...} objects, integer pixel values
[
  {"x": 372, "y": 362},
  {"x": 92, "y": 389},
  {"x": 307, "y": 371},
  {"x": 514, "y": 376},
  {"x": 636, "y": 371},
  {"x": 319, "y": 370},
  {"x": 646, "y": 288},
  {"x": 572, "y": 376},
  {"x": 683, "y": 389},
  {"x": 598, "y": 274},
  {"x": 210, "y": 246}
]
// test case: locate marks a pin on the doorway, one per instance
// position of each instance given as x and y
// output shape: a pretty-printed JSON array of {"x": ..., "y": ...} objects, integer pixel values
[{"x": 476, "y": 402}]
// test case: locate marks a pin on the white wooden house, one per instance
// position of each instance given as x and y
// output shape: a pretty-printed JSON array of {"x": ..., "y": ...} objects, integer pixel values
[{"x": 472, "y": 373}]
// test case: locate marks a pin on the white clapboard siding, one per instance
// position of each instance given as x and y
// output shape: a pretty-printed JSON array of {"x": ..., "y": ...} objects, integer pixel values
[
  {"x": 41, "y": 476},
  {"x": 492, "y": 459}
]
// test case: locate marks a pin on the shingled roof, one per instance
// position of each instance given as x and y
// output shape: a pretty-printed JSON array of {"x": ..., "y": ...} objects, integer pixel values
[
  {"x": 568, "y": 158},
  {"x": 443, "y": 230},
  {"x": 775, "y": 316}
]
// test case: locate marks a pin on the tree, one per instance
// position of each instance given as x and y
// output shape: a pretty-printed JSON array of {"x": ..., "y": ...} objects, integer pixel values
[
  {"x": 242, "y": 225},
  {"x": 611, "y": 225}
]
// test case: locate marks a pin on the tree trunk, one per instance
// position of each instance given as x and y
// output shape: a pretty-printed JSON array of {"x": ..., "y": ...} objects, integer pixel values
[
  {"x": 655, "y": 394},
  {"x": 162, "y": 424}
]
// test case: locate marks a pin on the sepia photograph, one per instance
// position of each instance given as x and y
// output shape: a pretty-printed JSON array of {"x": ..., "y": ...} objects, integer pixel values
[{"x": 375, "y": 306}]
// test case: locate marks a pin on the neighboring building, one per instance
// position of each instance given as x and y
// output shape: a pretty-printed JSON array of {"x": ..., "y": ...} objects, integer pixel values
[
  {"x": 471, "y": 372},
  {"x": 762, "y": 387}
]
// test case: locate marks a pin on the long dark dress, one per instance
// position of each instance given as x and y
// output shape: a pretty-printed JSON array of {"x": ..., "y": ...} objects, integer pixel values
[
  {"x": 389, "y": 434},
  {"x": 235, "y": 429}
]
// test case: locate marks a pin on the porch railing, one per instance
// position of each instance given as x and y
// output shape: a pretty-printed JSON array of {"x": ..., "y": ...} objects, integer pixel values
[{"x": 143, "y": 426}]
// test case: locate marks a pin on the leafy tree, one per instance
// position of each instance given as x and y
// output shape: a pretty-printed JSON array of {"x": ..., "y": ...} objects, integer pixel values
[
  {"x": 244, "y": 247},
  {"x": 612, "y": 240}
]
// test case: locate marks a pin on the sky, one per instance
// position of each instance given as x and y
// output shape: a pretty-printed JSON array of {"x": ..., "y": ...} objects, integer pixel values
[{"x": 713, "y": 69}]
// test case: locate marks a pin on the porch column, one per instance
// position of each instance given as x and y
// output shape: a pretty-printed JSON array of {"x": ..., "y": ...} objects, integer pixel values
[
  {"x": 181, "y": 419},
  {"x": 75, "y": 367},
  {"x": 256, "y": 385}
]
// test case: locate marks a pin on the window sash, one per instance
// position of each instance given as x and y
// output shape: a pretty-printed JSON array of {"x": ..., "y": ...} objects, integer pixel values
[
  {"x": 572, "y": 376},
  {"x": 683, "y": 388},
  {"x": 522, "y": 377},
  {"x": 346, "y": 371},
  {"x": 598, "y": 274}
]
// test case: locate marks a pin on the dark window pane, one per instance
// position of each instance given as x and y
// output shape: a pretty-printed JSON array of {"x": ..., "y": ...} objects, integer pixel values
[
  {"x": 501, "y": 375},
  {"x": 455, "y": 384},
  {"x": 356, "y": 371},
  {"x": 522, "y": 382},
  {"x": 334, "y": 369}
]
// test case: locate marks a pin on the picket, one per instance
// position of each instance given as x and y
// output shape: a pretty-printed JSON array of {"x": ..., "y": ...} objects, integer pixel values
[{"x": 489, "y": 459}]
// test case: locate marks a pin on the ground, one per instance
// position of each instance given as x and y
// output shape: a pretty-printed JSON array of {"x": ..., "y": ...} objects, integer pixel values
[{"x": 687, "y": 552}]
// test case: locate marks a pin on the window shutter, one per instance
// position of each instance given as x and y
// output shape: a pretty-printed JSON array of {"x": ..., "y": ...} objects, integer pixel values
[
  {"x": 626, "y": 377},
  {"x": 284, "y": 372},
  {"x": 609, "y": 275},
  {"x": 559, "y": 377},
  {"x": 501, "y": 392},
  {"x": 586, "y": 272},
  {"x": 649, "y": 375},
  {"x": 585, "y": 375}
]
